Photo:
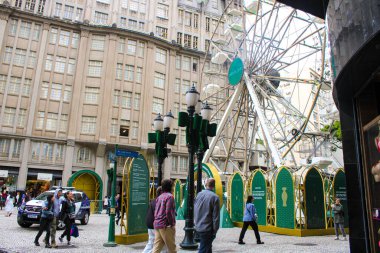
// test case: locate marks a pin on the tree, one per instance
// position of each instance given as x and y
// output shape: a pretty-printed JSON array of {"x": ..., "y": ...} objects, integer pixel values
[{"x": 335, "y": 134}]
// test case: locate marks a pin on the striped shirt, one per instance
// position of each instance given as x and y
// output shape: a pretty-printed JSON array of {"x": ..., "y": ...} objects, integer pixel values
[{"x": 164, "y": 214}]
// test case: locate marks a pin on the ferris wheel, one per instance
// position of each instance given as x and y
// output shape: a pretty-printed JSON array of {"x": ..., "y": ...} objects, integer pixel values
[{"x": 282, "y": 50}]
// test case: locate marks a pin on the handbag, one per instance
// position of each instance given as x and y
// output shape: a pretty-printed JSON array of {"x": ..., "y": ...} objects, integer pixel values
[{"x": 74, "y": 231}]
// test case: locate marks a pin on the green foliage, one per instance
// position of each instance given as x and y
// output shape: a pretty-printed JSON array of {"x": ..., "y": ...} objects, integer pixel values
[
  {"x": 334, "y": 129},
  {"x": 259, "y": 141}
]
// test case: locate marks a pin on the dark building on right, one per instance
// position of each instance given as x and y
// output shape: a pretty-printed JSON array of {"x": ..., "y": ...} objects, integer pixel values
[{"x": 354, "y": 35}]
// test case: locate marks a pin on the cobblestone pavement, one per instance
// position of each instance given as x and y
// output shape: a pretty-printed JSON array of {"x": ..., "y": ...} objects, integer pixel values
[{"x": 13, "y": 238}]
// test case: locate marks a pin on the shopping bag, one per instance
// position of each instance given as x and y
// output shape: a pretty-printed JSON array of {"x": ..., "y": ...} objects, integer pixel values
[{"x": 74, "y": 231}]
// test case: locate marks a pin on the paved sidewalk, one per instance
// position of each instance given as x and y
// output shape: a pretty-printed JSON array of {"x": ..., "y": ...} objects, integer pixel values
[{"x": 13, "y": 238}]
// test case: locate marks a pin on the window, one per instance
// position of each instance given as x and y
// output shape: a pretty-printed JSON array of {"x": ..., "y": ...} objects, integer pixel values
[
  {"x": 91, "y": 95},
  {"x": 177, "y": 85},
  {"x": 14, "y": 85},
  {"x": 7, "y": 55},
  {"x": 84, "y": 156},
  {"x": 186, "y": 63},
  {"x": 67, "y": 94},
  {"x": 187, "y": 40},
  {"x": 185, "y": 86},
  {"x": 162, "y": 32},
  {"x": 60, "y": 64},
  {"x": 40, "y": 120},
  {"x": 178, "y": 62},
  {"x": 71, "y": 66},
  {"x": 139, "y": 75},
  {"x": 58, "y": 8},
  {"x": 124, "y": 128},
  {"x": 49, "y": 62},
  {"x": 136, "y": 101},
  {"x": 141, "y": 26},
  {"x": 134, "y": 6},
  {"x": 100, "y": 18},
  {"x": 158, "y": 105},
  {"x": 18, "y": 3},
  {"x": 132, "y": 24},
  {"x": 126, "y": 99},
  {"x": 26, "y": 87},
  {"x": 119, "y": 69},
  {"x": 59, "y": 152},
  {"x": 69, "y": 12},
  {"x": 78, "y": 15},
  {"x": 44, "y": 90},
  {"x": 207, "y": 45},
  {"x": 140, "y": 50},
  {"x": 98, "y": 42},
  {"x": 162, "y": 11},
  {"x": 56, "y": 91},
  {"x": 175, "y": 109},
  {"x": 114, "y": 128},
  {"x": 183, "y": 137},
  {"x": 207, "y": 24},
  {"x": 63, "y": 122},
  {"x": 9, "y": 116},
  {"x": 64, "y": 38},
  {"x": 95, "y": 68},
  {"x": 35, "y": 150},
  {"x": 116, "y": 96},
  {"x": 124, "y": 4},
  {"x": 121, "y": 45},
  {"x": 36, "y": 32},
  {"x": 32, "y": 60},
  {"x": 195, "y": 42},
  {"x": 174, "y": 163},
  {"x": 25, "y": 29},
  {"x": 179, "y": 38},
  {"x": 12, "y": 31},
  {"x": 195, "y": 65},
  {"x": 159, "y": 80},
  {"x": 3, "y": 82},
  {"x": 88, "y": 125},
  {"x": 180, "y": 17},
  {"x": 75, "y": 40},
  {"x": 53, "y": 36},
  {"x": 30, "y": 4},
  {"x": 123, "y": 22},
  {"x": 16, "y": 149},
  {"x": 20, "y": 56},
  {"x": 135, "y": 129},
  {"x": 129, "y": 73},
  {"x": 196, "y": 18},
  {"x": 183, "y": 163},
  {"x": 51, "y": 121},
  {"x": 4, "y": 147},
  {"x": 47, "y": 152},
  {"x": 132, "y": 47},
  {"x": 187, "y": 18},
  {"x": 161, "y": 55}
]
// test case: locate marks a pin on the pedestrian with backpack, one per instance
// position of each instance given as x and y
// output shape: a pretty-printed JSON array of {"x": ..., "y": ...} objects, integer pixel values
[
  {"x": 67, "y": 215},
  {"x": 47, "y": 216}
]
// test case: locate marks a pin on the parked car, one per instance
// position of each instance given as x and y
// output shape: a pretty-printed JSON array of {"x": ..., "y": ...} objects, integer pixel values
[{"x": 30, "y": 213}]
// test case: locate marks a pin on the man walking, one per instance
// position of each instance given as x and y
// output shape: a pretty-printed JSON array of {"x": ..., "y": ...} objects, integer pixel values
[
  {"x": 56, "y": 211},
  {"x": 338, "y": 218},
  {"x": 164, "y": 219},
  {"x": 206, "y": 216}
]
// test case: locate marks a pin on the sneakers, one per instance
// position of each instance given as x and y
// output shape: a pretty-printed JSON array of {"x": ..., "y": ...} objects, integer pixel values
[
  {"x": 60, "y": 239},
  {"x": 260, "y": 242},
  {"x": 48, "y": 246},
  {"x": 241, "y": 242},
  {"x": 54, "y": 245},
  {"x": 36, "y": 243},
  {"x": 336, "y": 239},
  {"x": 69, "y": 243}
]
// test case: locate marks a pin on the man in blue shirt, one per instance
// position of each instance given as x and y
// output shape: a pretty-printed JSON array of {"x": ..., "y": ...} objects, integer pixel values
[
  {"x": 56, "y": 211},
  {"x": 249, "y": 219}
]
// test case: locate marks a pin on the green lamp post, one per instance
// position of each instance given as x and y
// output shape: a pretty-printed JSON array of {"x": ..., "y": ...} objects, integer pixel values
[
  {"x": 206, "y": 130},
  {"x": 162, "y": 137},
  {"x": 190, "y": 121}
]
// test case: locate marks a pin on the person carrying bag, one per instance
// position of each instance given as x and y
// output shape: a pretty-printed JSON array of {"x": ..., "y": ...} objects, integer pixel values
[
  {"x": 47, "y": 216},
  {"x": 67, "y": 215}
]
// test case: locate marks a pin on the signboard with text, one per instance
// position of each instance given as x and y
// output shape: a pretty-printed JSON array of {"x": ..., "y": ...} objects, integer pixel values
[
  {"x": 259, "y": 193},
  {"x": 3, "y": 173},
  {"x": 45, "y": 176}
]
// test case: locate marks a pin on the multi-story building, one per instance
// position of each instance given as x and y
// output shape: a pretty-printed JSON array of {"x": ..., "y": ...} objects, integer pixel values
[{"x": 79, "y": 76}]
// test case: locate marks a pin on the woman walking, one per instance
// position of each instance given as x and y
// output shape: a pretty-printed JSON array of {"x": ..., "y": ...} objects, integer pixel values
[
  {"x": 9, "y": 205},
  {"x": 249, "y": 219},
  {"x": 46, "y": 219},
  {"x": 67, "y": 215}
]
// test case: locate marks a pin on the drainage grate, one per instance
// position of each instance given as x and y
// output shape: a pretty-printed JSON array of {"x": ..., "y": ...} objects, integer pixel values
[{"x": 305, "y": 244}]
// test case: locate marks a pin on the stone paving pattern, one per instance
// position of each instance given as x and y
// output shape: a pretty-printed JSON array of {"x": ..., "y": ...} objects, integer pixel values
[{"x": 13, "y": 238}]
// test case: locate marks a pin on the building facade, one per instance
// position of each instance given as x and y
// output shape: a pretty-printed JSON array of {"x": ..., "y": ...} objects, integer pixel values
[{"x": 78, "y": 77}]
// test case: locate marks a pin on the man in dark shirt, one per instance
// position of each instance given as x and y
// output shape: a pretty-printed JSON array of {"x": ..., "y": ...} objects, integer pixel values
[
  {"x": 164, "y": 219},
  {"x": 206, "y": 216}
]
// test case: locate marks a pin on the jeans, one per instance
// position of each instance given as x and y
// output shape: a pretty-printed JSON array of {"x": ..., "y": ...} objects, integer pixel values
[
  {"x": 44, "y": 226},
  {"x": 206, "y": 239},
  {"x": 255, "y": 228},
  {"x": 341, "y": 226},
  {"x": 68, "y": 223}
]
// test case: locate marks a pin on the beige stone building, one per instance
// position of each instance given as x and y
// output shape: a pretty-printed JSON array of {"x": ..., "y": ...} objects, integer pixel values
[{"x": 79, "y": 76}]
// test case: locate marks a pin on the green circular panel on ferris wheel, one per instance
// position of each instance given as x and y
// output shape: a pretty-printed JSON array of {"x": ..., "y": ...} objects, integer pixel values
[{"x": 235, "y": 73}]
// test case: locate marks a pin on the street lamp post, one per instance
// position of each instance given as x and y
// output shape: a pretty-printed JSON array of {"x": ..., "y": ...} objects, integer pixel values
[
  {"x": 186, "y": 120},
  {"x": 162, "y": 137},
  {"x": 111, "y": 228}
]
